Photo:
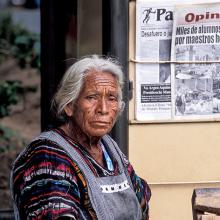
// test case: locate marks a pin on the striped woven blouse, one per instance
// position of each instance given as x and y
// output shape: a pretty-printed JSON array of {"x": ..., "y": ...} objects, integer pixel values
[{"x": 48, "y": 184}]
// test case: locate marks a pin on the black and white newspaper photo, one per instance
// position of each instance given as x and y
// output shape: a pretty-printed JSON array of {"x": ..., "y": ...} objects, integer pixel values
[
  {"x": 153, "y": 43},
  {"x": 196, "y": 75}
]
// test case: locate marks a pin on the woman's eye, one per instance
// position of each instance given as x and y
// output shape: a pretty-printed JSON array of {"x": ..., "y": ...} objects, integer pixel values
[
  {"x": 91, "y": 97},
  {"x": 113, "y": 98}
]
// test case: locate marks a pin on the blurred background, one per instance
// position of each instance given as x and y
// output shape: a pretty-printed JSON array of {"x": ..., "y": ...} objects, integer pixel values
[{"x": 19, "y": 86}]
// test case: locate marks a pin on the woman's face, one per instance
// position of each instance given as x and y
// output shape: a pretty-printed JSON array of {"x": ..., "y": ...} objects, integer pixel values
[{"x": 97, "y": 107}]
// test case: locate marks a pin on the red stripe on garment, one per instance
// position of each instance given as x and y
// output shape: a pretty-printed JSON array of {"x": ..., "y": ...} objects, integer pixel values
[
  {"x": 43, "y": 151},
  {"x": 56, "y": 193}
]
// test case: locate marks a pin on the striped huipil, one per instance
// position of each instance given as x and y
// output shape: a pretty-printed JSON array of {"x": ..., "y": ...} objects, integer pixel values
[{"x": 47, "y": 183}]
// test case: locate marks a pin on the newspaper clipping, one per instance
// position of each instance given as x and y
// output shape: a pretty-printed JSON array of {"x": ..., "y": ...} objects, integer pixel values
[
  {"x": 153, "y": 43},
  {"x": 196, "y": 77}
]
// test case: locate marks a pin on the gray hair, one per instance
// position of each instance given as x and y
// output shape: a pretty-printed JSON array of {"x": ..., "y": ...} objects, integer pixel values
[{"x": 73, "y": 80}]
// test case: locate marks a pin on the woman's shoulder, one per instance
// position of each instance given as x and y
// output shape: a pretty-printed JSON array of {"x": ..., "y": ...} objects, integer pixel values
[
  {"x": 43, "y": 158},
  {"x": 42, "y": 150},
  {"x": 45, "y": 170}
]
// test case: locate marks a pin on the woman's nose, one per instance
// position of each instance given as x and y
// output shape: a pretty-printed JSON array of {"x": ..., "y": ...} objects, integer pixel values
[{"x": 103, "y": 107}]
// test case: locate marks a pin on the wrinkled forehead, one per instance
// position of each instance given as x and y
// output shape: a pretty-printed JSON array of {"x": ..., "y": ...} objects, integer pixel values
[{"x": 94, "y": 78}]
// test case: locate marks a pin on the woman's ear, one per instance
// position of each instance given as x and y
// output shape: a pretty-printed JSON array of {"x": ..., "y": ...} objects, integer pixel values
[{"x": 69, "y": 110}]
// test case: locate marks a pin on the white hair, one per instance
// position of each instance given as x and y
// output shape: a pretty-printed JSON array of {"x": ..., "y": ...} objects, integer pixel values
[{"x": 73, "y": 81}]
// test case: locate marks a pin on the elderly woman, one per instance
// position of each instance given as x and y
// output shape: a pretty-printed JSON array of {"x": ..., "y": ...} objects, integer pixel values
[{"x": 77, "y": 171}]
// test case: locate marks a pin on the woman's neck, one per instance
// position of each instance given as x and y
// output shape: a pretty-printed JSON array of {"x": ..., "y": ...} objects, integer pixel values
[
  {"x": 91, "y": 144},
  {"x": 75, "y": 132}
]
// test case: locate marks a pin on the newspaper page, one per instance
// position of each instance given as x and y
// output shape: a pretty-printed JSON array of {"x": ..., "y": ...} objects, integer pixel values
[
  {"x": 196, "y": 78},
  {"x": 153, "y": 43}
]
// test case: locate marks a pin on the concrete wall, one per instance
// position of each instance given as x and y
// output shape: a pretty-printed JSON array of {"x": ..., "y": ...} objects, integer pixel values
[{"x": 174, "y": 158}]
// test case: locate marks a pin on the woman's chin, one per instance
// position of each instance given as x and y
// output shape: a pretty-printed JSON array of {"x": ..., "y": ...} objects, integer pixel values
[{"x": 98, "y": 132}]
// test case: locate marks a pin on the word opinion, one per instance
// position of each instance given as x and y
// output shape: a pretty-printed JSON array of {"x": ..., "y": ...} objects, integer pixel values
[{"x": 191, "y": 17}]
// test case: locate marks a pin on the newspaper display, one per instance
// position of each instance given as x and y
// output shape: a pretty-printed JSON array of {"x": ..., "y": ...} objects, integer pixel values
[
  {"x": 196, "y": 79},
  {"x": 190, "y": 88},
  {"x": 153, "y": 43}
]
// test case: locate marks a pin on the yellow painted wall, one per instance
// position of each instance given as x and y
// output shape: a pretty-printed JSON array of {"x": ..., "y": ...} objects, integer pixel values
[
  {"x": 174, "y": 158},
  {"x": 182, "y": 154}
]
